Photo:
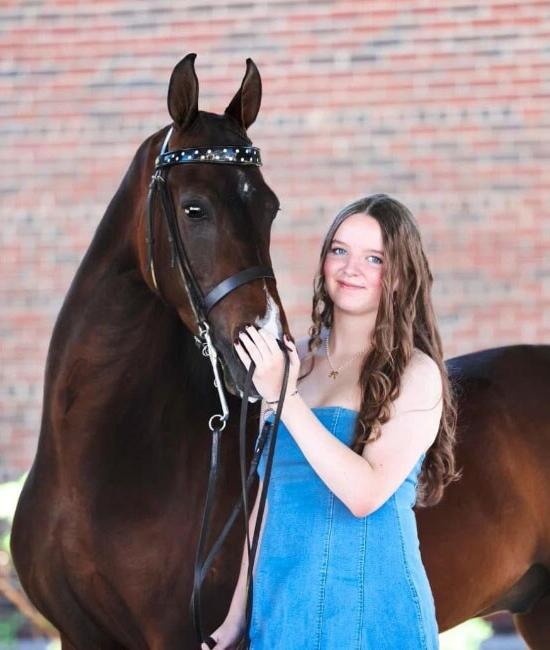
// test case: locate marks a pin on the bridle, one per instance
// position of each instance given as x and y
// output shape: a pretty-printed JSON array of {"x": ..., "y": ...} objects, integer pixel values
[{"x": 201, "y": 305}]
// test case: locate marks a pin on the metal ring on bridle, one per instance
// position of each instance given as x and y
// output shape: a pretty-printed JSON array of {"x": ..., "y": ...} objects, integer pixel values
[{"x": 222, "y": 425}]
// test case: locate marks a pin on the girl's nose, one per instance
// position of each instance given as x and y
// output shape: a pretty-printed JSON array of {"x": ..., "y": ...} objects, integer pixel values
[{"x": 351, "y": 266}]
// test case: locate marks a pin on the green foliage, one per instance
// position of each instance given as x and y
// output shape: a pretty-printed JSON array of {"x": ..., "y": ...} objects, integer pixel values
[
  {"x": 467, "y": 636},
  {"x": 9, "y": 629},
  {"x": 9, "y": 494},
  {"x": 11, "y": 624}
]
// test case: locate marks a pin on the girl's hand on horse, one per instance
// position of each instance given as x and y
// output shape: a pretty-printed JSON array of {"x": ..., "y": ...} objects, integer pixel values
[
  {"x": 226, "y": 636},
  {"x": 262, "y": 347}
]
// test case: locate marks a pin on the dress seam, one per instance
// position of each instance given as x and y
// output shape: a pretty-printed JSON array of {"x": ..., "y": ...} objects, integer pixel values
[
  {"x": 362, "y": 554},
  {"x": 326, "y": 553},
  {"x": 412, "y": 587},
  {"x": 324, "y": 573}
]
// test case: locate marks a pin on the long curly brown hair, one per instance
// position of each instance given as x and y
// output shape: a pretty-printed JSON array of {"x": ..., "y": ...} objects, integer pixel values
[{"x": 405, "y": 320}]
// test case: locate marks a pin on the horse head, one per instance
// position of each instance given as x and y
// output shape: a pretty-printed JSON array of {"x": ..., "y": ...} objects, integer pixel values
[{"x": 214, "y": 220}]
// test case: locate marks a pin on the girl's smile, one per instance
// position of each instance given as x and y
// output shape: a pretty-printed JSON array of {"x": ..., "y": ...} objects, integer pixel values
[{"x": 345, "y": 285}]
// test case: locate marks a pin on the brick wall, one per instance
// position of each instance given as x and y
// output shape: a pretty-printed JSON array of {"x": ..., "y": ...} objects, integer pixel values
[{"x": 444, "y": 105}]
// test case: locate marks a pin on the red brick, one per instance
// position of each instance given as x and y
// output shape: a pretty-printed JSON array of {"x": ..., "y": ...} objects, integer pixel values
[{"x": 348, "y": 83}]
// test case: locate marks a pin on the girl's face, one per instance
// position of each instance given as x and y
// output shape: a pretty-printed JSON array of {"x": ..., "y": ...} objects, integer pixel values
[{"x": 354, "y": 265}]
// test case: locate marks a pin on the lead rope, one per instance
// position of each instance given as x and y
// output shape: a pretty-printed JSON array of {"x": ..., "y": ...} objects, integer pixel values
[
  {"x": 201, "y": 566},
  {"x": 249, "y": 591}
]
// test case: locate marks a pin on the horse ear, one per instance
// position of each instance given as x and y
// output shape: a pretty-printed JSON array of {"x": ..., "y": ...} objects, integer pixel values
[
  {"x": 245, "y": 104},
  {"x": 183, "y": 92}
]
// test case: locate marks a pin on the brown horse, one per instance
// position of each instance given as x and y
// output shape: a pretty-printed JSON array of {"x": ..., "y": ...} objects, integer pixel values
[
  {"x": 106, "y": 528},
  {"x": 486, "y": 545}
]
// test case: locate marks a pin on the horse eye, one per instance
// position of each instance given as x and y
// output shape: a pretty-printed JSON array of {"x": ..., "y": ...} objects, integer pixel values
[{"x": 194, "y": 211}]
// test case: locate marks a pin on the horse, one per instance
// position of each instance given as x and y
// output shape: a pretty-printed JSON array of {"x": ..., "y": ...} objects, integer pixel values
[
  {"x": 106, "y": 528},
  {"x": 486, "y": 544}
]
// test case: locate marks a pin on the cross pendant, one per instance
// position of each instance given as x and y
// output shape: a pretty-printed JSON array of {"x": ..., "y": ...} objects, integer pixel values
[{"x": 333, "y": 374}]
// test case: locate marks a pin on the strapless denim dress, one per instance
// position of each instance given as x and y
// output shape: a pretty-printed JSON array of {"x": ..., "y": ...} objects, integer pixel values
[{"x": 328, "y": 580}]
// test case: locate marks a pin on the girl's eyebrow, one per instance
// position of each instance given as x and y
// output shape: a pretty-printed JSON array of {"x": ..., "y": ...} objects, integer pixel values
[{"x": 367, "y": 249}]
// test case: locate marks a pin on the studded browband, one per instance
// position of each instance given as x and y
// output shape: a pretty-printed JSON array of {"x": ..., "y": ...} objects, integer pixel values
[{"x": 236, "y": 155}]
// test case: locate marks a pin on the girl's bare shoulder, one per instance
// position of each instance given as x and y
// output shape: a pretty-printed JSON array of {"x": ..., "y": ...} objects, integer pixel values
[
  {"x": 423, "y": 361},
  {"x": 421, "y": 379}
]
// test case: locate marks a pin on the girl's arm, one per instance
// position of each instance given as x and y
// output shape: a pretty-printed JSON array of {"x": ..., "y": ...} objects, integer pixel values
[{"x": 362, "y": 482}]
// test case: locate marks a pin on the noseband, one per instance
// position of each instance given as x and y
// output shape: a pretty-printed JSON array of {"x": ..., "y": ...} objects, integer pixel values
[{"x": 201, "y": 305}]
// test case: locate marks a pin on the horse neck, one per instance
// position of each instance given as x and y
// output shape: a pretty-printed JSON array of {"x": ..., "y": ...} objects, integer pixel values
[{"x": 122, "y": 368}]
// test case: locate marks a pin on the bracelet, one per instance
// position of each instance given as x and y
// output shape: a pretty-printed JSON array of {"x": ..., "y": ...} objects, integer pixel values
[{"x": 276, "y": 401}]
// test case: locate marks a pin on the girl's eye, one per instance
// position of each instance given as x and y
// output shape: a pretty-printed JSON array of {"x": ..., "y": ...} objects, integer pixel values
[
  {"x": 336, "y": 248},
  {"x": 375, "y": 257},
  {"x": 194, "y": 211}
]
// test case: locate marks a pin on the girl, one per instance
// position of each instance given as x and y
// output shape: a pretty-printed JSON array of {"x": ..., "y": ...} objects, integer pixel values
[{"x": 370, "y": 419}]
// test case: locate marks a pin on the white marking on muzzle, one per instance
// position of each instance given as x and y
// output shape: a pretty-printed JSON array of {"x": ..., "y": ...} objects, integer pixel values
[{"x": 271, "y": 321}]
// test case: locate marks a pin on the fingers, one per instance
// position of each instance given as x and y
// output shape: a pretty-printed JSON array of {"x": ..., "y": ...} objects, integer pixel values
[
  {"x": 291, "y": 347},
  {"x": 260, "y": 341},
  {"x": 290, "y": 344},
  {"x": 250, "y": 347},
  {"x": 270, "y": 341},
  {"x": 261, "y": 346},
  {"x": 243, "y": 356}
]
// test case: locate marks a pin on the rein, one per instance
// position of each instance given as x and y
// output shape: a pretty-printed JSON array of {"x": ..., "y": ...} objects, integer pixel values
[
  {"x": 202, "y": 565},
  {"x": 201, "y": 305}
]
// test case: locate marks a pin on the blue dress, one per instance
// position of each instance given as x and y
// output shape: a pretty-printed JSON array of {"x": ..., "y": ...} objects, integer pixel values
[{"x": 328, "y": 580}]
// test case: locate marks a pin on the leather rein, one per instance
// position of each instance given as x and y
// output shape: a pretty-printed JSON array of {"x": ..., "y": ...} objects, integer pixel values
[{"x": 201, "y": 305}]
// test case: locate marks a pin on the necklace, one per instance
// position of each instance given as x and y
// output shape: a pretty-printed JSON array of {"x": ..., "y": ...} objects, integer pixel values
[{"x": 335, "y": 371}]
